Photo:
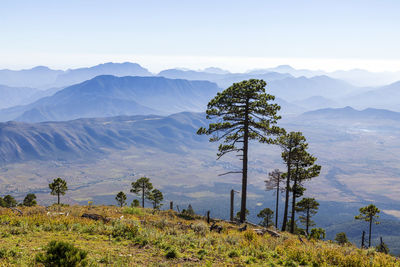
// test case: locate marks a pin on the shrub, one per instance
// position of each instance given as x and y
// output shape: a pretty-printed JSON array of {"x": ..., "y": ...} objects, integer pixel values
[
  {"x": 250, "y": 235},
  {"x": 171, "y": 253},
  {"x": 233, "y": 254},
  {"x": 62, "y": 254},
  {"x": 127, "y": 231},
  {"x": 133, "y": 211},
  {"x": 341, "y": 238},
  {"x": 200, "y": 228}
]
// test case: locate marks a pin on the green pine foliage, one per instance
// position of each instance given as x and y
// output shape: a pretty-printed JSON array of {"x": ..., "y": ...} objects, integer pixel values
[
  {"x": 241, "y": 113},
  {"x": 62, "y": 254}
]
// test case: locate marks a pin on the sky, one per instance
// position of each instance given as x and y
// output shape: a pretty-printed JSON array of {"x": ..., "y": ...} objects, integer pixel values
[{"x": 235, "y": 35}]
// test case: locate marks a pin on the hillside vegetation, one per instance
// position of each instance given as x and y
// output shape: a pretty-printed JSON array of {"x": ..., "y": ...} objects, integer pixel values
[{"x": 145, "y": 237}]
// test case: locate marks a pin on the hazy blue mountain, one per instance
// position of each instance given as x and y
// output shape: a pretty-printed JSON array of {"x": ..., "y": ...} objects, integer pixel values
[
  {"x": 223, "y": 80},
  {"x": 21, "y": 141},
  {"x": 290, "y": 70},
  {"x": 316, "y": 102},
  {"x": 349, "y": 113},
  {"x": 297, "y": 89},
  {"x": 73, "y": 76},
  {"x": 13, "y": 96},
  {"x": 107, "y": 95},
  {"x": 216, "y": 70},
  {"x": 36, "y": 77},
  {"x": 45, "y": 78},
  {"x": 361, "y": 77},
  {"x": 356, "y": 77},
  {"x": 386, "y": 97}
]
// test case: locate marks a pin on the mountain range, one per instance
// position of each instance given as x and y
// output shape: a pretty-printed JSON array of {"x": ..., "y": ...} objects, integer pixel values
[
  {"x": 42, "y": 77},
  {"x": 105, "y": 96}
]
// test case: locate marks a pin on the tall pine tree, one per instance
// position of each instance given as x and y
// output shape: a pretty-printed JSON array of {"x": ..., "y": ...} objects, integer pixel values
[{"x": 241, "y": 113}]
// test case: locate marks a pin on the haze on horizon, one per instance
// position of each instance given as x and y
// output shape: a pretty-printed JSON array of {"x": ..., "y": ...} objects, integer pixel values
[{"x": 233, "y": 35}]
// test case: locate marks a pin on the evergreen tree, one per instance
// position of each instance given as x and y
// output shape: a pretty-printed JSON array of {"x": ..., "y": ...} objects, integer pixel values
[
  {"x": 2, "y": 202},
  {"x": 142, "y": 186},
  {"x": 58, "y": 187},
  {"x": 135, "y": 203},
  {"x": 156, "y": 197},
  {"x": 300, "y": 167},
  {"x": 266, "y": 214},
  {"x": 341, "y": 238},
  {"x": 237, "y": 217},
  {"x": 308, "y": 207},
  {"x": 121, "y": 199},
  {"x": 382, "y": 247},
  {"x": 369, "y": 214},
  {"x": 241, "y": 113},
  {"x": 10, "y": 201},
  {"x": 274, "y": 182},
  {"x": 29, "y": 200},
  {"x": 317, "y": 233}
]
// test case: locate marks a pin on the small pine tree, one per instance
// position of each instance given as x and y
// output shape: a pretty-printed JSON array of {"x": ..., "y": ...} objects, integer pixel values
[
  {"x": 369, "y": 214},
  {"x": 266, "y": 214},
  {"x": 156, "y": 197},
  {"x": 382, "y": 247},
  {"x": 190, "y": 210},
  {"x": 135, "y": 203},
  {"x": 237, "y": 217},
  {"x": 308, "y": 207},
  {"x": 341, "y": 238},
  {"x": 121, "y": 199},
  {"x": 62, "y": 254},
  {"x": 58, "y": 187},
  {"x": 10, "y": 201},
  {"x": 317, "y": 233},
  {"x": 30, "y": 200},
  {"x": 2, "y": 203},
  {"x": 142, "y": 186}
]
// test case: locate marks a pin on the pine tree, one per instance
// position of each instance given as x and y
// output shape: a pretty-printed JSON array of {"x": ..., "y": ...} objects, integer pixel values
[
  {"x": 308, "y": 207},
  {"x": 121, "y": 199},
  {"x": 266, "y": 214},
  {"x": 274, "y": 182},
  {"x": 369, "y": 214},
  {"x": 156, "y": 197},
  {"x": 242, "y": 112},
  {"x": 300, "y": 167},
  {"x": 142, "y": 186},
  {"x": 341, "y": 238},
  {"x": 58, "y": 187},
  {"x": 9, "y": 201},
  {"x": 29, "y": 200}
]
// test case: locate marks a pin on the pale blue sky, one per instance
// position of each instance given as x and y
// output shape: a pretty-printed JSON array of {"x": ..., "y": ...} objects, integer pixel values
[{"x": 231, "y": 34}]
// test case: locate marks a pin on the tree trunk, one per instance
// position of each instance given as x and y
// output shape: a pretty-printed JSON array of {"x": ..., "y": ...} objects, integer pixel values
[
  {"x": 58, "y": 198},
  {"x": 143, "y": 197},
  {"x": 370, "y": 228},
  {"x": 287, "y": 195},
  {"x": 307, "y": 221},
  {"x": 277, "y": 204},
  {"x": 244, "y": 169},
  {"x": 293, "y": 206}
]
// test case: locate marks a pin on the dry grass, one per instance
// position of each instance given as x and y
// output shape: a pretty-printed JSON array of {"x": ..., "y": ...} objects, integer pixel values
[{"x": 143, "y": 237}]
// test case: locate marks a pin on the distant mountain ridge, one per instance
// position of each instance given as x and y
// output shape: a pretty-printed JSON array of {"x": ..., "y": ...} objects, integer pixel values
[
  {"x": 68, "y": 140},
  {"x": 105, "y": 96},
  {"x": 353, "y": 114},
  {"x": 43, "y": 77}
]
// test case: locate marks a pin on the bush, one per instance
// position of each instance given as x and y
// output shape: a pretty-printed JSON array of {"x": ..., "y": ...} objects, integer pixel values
[
  {"x": 171, "y": 253},
  {"x": 200, "y": 228},
  {"x": 133, "y": 211},
  {"x": 341, "y": 238},
  {"x": 62, "y": 254},
  {"x": 233, "y": 254},
  {"x": 127, "y": 231}
]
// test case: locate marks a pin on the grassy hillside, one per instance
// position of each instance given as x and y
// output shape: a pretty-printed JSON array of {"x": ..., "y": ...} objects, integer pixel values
[{"x": 143, "y": 237}]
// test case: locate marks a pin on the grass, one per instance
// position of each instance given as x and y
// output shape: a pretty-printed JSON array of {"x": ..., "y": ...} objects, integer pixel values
[{"x": 144, "y": 237}]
